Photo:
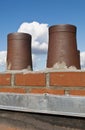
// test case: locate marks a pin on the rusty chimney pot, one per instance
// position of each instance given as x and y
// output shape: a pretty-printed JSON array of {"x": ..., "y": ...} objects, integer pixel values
[
  {"x": 63, "y": 46},
  {"x": 19, "y": 51}
]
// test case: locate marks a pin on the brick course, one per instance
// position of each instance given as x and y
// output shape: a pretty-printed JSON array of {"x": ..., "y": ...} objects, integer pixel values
[
  {"x": 12, "y": 90},
  {"x": 5, "y": 79},
  {"x": 69, "y": 79},
  {"x": 49, "y": 91},
  {"x": 77, "y": 92},
  {"x": 35, "y": 79},
  {"x": 58, "y": 83}
]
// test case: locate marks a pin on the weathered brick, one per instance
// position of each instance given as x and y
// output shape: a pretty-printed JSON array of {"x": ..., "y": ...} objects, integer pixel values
[
  {"x": 12, "y": 90},
  {"x": 68, "y": 79},
  {"x": 44, "y": 90},
  {"x": 5, "y": 79},
  {"x": 77, "y": 92},
  {"x": 32, "y": 79}
]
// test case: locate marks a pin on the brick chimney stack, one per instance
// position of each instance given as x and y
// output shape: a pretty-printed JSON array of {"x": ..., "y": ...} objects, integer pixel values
[{"x": 63, "y": 46}]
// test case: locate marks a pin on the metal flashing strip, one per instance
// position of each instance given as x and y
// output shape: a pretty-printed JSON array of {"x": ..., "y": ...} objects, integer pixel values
[{"x": 44, "y": 103}]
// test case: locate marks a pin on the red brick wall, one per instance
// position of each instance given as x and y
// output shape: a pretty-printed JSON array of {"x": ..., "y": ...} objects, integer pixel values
[{"x": 59, "y": 83}]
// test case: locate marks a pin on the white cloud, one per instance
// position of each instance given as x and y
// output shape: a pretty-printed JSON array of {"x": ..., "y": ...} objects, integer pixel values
[
  {"x": 39, "y": 32},
  {"x": 39, "y": 61},
  {"x": 82, "y": 59},
  {"x": 3, "y": 60}
]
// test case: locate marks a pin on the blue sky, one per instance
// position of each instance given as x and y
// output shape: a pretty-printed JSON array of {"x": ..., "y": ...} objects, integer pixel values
[{"x": 15, "y": 12}]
